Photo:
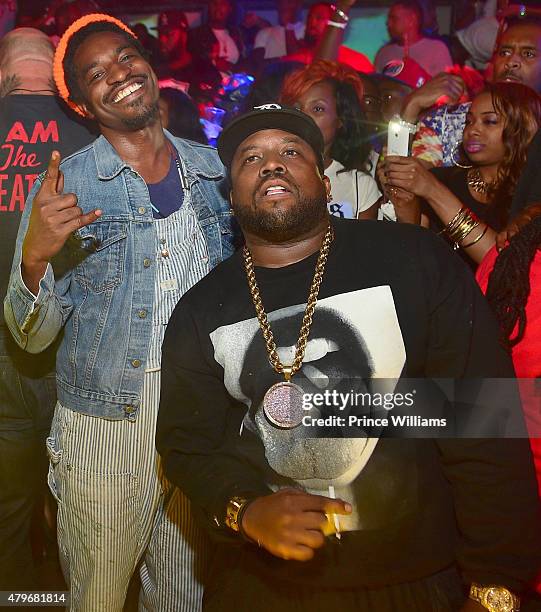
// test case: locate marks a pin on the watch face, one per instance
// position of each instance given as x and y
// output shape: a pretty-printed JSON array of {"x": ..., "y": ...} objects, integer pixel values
[{"x": 499, "y": 600}]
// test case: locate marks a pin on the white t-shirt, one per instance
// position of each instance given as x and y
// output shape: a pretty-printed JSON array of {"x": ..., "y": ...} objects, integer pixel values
[
  {"x": 352, "y": 191},
  {"x": 479, "y": 39},
  {"x": 228, "y": 48},
  {"x": 273, "y": 39},
  {"x": 429, "y": 53}
]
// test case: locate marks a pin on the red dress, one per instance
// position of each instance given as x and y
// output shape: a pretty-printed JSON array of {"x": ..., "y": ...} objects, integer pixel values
[{"x": 526, "y": 356}]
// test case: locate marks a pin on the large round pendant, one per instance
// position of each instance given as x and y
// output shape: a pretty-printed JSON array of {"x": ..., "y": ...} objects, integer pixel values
[{"x": 282, "y": 405}]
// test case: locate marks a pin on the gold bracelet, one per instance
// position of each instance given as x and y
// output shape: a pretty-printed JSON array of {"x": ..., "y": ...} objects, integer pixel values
[
  {"x": 454, "y": 221},
  {"x": 464, "y": 229},
  {"x": 465, "y": 246},
  {"x": 456, "y": 243},
  {"x": 460, "y": 226}
]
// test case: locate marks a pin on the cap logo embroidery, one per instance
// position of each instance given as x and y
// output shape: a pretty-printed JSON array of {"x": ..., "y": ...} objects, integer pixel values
[
  {"x": 393, "y": 68},
  {"x": 268, "y": 107}
]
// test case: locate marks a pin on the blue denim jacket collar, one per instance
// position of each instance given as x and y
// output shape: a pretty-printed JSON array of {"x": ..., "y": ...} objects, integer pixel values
[{"x": 109, "y": 164}]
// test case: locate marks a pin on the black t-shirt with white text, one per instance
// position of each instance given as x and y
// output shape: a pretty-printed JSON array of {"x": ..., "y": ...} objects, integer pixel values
[{"x": 31, "y": 127}]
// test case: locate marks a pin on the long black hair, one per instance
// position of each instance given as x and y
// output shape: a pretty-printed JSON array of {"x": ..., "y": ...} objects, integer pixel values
[
  {"x": 351, "y": 146},
  {"x": 509, "y": 283}
]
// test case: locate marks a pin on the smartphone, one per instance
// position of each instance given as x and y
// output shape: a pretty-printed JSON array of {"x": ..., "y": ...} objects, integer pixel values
[{"x": 398, "y": 137}]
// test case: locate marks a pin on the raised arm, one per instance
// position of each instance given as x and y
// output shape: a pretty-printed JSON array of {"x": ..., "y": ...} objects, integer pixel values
[
  {"x": 334, "y": 35},
  {"x": 449, "y": 85}
]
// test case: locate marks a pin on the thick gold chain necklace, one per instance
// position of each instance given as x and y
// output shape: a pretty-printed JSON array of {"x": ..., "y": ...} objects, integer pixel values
[
  {"x": 283, "y": 401},
  {"x": 476, "y": 182}
]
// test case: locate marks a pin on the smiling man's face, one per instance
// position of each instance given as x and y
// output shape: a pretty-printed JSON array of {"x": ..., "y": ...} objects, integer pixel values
[
  {"x": 119, "y": 87},
  {"x": 278, "y": 192}
]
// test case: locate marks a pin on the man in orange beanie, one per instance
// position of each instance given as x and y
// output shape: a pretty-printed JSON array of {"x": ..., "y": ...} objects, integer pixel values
[{"x": 109, "y": 242}]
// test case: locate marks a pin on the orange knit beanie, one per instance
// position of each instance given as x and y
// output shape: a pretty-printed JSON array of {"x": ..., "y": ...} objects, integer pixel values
[{"x": 58, "y": 61}]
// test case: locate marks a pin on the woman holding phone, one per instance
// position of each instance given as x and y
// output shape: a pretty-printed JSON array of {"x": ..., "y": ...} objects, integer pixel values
[{"x": 469, "y": 203}]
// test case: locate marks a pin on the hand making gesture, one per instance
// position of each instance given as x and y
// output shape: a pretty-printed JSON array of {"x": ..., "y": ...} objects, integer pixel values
[{"x": 54, "y": 217}]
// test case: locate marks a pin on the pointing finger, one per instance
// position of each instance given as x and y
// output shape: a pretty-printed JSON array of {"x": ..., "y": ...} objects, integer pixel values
[{"x": 50, "y": 181}]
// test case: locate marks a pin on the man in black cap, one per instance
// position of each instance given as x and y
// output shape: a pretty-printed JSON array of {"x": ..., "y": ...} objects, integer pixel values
[{"x": 316, "y": 510}]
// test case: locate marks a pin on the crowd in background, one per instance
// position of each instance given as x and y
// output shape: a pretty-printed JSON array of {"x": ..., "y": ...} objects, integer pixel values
[{"x": 217, "y": 61}]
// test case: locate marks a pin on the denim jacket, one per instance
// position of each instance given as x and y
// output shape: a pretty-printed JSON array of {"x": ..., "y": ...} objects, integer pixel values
[{"x": 99, "y": 290}]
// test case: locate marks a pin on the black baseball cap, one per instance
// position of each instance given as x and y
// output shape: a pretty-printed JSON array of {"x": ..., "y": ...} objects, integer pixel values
[{"x": 270, "y": 116}]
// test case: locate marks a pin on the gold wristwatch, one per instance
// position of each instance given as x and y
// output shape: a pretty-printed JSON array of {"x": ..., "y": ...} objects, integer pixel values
[
  {"x": 233, "y": 512},
  {"x": 495, "y": 598}
]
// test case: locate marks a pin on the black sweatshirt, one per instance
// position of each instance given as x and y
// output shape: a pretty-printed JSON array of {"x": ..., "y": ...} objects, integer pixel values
[{"x": 394, "y": 303}]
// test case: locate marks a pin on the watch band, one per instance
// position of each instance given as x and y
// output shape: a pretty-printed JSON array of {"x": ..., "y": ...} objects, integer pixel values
[
  {"x": 234, "y": 511},
  {"x": 494, "y": 598}
]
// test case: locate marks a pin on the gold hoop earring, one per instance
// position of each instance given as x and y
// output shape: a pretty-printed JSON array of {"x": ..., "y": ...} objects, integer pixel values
[{"x": 455, "y": 162}]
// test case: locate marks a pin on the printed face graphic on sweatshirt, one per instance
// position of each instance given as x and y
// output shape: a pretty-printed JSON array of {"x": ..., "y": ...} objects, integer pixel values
[{"x": 355, "y": 339}]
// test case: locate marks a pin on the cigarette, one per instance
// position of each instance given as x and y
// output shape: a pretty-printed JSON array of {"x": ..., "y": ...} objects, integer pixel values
[{"x": 337, "y": 533}]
